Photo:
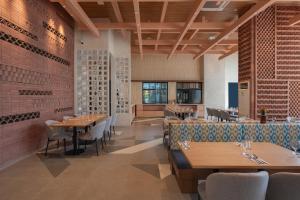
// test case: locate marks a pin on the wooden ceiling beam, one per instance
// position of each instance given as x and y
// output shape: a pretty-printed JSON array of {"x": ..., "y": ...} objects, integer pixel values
[
  {"x": 185, "y": 42},
  {"x": 211, "y": 26},
  {"x": 158, "y": 0},
  {"x": 167, "y": 51},
  {"x": 259, "y": 7},
  {"x": 232, "y": 51},
  {"x": 138, "y": 24},
  {"x": 197, "y": 6},
  {"x": 190, "y": 38},
  {"x": 295, "y": 20},
  {"x": 75, "y": 10},
  {"x": 162, "y": 19},
  {"x": 118, "y": 14}
]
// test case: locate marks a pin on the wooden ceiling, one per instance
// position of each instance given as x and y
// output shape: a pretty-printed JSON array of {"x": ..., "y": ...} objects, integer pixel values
[{"x": 169, "y": 27}]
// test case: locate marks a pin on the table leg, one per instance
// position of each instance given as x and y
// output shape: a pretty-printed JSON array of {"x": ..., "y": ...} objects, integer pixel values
[
  {"x": 75, "y": 141},
  {"x": 75, "y": 150}
]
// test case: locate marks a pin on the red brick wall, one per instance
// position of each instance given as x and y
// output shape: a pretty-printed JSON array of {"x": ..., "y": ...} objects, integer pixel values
[
  {"x": 275, "y": 61},
  {"x": 36, "y": 73}
]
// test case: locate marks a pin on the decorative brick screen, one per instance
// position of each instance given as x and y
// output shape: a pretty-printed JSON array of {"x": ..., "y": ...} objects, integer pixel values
[
  {"x": 276, "y": 61},
  {"x": 36, "y": 73}
]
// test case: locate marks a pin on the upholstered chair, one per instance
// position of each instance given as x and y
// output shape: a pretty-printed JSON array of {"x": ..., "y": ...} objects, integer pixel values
[
  {"x": 284, "y": 186},
  {"x": 234, "y": 186}
]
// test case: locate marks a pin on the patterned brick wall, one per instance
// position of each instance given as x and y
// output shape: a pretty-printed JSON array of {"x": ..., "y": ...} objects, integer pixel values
[
  {"x": 276, "y": 62},
  {"x": 36, "y": 73}
]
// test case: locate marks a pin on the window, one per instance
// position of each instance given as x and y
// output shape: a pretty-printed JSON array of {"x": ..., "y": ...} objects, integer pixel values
[
  {"x": 155, "y": 93},
  {"x": 189, "y": 93}
]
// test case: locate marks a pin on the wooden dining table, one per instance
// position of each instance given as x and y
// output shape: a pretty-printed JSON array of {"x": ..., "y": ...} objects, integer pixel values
[
  {"x": 205, "y": 158},
  {"x": 75, "y": 123},
  {"x": 228, "y": 155}
]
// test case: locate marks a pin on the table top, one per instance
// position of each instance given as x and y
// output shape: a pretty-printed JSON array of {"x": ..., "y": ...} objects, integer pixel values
[
  {"x": 228, "y": 155},
  {"x": 81, "y": 121}
]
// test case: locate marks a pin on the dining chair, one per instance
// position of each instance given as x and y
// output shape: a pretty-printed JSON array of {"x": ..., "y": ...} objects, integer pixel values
[
  {"x": 225, "y": 116},
  {"x": 94, "y": 135},
  {"x": 234, "y": 186},
  {"x": 209, "y": 113},
  {"x": 284, "y": 185},
  {"x": 67, "y": 117},
  {"x": 107, "y": 129},
  {"x": 114, "y": 122},
  {"x": 56, "y": 134}
]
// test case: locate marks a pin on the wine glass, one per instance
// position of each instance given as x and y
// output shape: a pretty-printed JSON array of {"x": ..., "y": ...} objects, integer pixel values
[{"x": 295, "y": 145}]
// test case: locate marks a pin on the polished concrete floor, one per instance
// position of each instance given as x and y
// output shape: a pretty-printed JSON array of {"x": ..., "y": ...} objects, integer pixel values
[{"x": 133, "y": 165}]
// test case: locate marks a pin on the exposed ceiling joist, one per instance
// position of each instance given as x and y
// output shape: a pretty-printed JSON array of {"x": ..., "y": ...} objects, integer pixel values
[
  {"x": 162, "y": 19},
  {"x": 184, "y": 42},
  {"x": 138, "y": 24},
  {"x": 259, "y": 7},
  {"x": 232, "y": 51},
  {"x": 167, "y": 51},
  {"x": 75, "y": 10},
  {"x": 190, "y": 38},
  {"x": 207, "y": 26},
  {"x": 118, "y": 14},
  {"x": 156, "y": 0},
  {"x": 295, "y": 20},
  {"x": 197, "y": 6}
]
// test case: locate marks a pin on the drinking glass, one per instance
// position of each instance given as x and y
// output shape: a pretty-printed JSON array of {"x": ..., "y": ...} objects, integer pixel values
[
  {"x": 295, "y": 145},
  {"x": 246, "y": 147}
]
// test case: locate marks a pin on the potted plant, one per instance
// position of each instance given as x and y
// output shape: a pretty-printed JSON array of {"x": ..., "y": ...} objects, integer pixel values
[{"x": 263, "y": 117}]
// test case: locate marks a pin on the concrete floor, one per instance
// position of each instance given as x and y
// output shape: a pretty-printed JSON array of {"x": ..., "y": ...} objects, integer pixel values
[{"x": 140, "y": 174}]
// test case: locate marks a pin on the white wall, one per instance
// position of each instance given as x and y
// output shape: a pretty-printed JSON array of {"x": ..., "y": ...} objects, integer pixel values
[
  {"x": 217, "y": 75},
  {"x": 180, "y": 67}
]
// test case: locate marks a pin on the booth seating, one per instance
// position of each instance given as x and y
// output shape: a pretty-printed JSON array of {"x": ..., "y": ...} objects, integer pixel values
[{"x": 278, "y": 133}]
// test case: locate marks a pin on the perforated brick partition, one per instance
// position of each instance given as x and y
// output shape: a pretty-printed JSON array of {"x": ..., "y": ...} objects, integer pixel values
[
  {"x": 36, "y": 73},
  {"x": 274, "y": 60}
]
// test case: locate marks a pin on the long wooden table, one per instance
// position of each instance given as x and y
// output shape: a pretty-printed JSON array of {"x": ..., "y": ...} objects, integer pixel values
[
  {"x": 83, "y": 121},
  {"x": 228, "y": 155},
  {"x": 206, "y": 158}
]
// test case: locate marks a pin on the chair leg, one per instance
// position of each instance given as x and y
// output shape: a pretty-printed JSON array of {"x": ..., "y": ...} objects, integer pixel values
[
  {"x": 104, "y": 138},
  {"x": 109, "y": 135},
  {"x": 85, "y": 145},
  {"x": 65, "y": 148},
  {"x": 46, "y": 152},
  {"x": 97, "y": 147},
  {"x": 102, "y": 143},
  {"x": 57, "y": 143}
]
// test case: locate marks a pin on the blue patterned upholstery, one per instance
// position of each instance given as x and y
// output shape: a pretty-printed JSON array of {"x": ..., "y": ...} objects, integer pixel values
[{"x": 277, "y": 133}]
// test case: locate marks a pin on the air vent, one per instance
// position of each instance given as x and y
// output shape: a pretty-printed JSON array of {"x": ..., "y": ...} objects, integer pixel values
[{"x": 215, "y": 5}]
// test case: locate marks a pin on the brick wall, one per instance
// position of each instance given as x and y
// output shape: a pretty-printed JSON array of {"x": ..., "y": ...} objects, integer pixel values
[
  {"x": 274, "y": 61},
  {"x": 36, "y": 73}
]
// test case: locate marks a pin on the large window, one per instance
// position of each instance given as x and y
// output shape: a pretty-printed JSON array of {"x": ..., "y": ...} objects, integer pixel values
[
  {"x": 189, "y": 93},
  {"x": 155, "y": 93}
]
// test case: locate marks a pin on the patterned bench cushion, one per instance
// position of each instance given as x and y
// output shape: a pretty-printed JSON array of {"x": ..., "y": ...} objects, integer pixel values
[{"x": 277, "y": 133}]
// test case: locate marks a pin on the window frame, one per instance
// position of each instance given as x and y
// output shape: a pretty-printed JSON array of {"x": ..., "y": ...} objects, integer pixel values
[
  {"x": 189, "y": 89},
  {"x": 149, "y": 82}
]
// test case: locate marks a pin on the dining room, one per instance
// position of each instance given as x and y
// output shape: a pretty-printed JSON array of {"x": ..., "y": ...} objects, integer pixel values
[{"x": 150, "y": 99}]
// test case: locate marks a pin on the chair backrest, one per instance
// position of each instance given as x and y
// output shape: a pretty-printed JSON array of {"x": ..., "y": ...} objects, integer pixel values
[
  {"x": 96, "y": 131},
  {"x": 237, "y": 186},
  {"x": 284, "y": 186},
  {"x": 114, "y": 119},
  {"x": 208, "y": 111},
  {"x": 67, "y": 117},
  {"x": 51, "y": 131},
  {"x": 108, "y": 123},
  {"x": 225, "y": 115}
]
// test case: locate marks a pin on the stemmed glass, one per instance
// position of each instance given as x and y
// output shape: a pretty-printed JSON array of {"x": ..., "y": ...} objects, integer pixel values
[{"x": 295, "y": 145}]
